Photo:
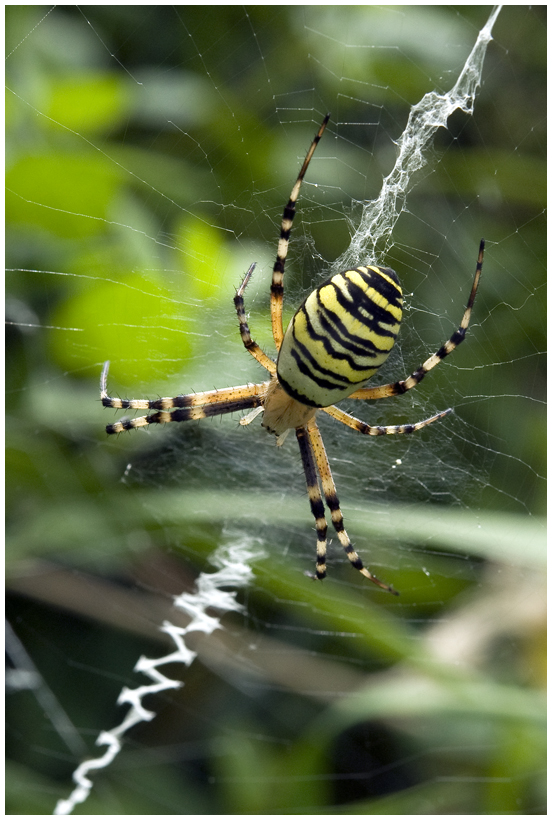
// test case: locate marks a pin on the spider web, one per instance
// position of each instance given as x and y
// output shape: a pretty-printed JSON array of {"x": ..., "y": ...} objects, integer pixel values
[{"x": 150, "y": 152}]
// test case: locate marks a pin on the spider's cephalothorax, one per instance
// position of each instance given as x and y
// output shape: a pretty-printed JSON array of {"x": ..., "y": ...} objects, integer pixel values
[{"x": 338, "y": 338}]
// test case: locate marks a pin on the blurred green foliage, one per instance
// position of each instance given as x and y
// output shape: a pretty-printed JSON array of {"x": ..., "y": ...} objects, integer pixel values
[{"x": 150, "y": 150}]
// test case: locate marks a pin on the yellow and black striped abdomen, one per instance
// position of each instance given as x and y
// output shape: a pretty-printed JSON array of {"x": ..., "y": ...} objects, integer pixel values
[{"x": 340, "y": 335}]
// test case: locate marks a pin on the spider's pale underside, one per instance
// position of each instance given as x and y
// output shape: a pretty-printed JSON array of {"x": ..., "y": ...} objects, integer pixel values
[{"x": 338, "y": 338}]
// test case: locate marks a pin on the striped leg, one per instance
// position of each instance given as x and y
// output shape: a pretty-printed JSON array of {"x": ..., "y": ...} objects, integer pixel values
[
  {"x": 331, "y": 498},
  {"x": 182, "y": 408},
  {"x": 277, "y": 288},
  {"x": 415, "y": 378},
  {"x": 368, "y": 430},
  {"x": 314, "y": 494},
  {"x": 251, "y": 346}
]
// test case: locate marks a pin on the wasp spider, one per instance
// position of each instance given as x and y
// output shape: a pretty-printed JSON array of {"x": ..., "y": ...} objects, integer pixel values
[{"x": 338, "y": 338}]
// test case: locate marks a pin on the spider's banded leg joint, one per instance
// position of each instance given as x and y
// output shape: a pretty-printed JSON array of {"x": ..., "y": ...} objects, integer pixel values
[
  {"x": 321, "y": 528},
  {"x": 287, "y": 219},
  {"x": 455, "y": 341}
]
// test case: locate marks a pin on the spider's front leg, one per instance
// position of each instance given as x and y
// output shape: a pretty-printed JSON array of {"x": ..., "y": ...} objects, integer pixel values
[
  {"x": 315, "y": 459},
  {"x": 315, "y": 499}
]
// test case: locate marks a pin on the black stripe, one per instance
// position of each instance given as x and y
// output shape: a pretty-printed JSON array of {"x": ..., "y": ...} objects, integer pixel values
[
  {"x": 331, "y": 350},
  {"x": 392, "y": 292},
  {"x": 122, "y": 404},
  {"x": 295, "y": 394},
  {"x": 361, "y": 300},
  {"x": 300, "y": 396},
  {"x": 308, "y": 365},
  {"x": 334, "y": 328},
  {"x": 391, "y": 274},
  {"x": 289, "y": 214}
]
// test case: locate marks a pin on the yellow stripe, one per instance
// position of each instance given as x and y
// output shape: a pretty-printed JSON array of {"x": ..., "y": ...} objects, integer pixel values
[{"x": 363, "y": 330}]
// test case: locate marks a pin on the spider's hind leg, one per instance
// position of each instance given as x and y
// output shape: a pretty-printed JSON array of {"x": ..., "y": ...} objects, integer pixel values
[
  {"x": 400, "y": 387},
  {"x": 277, "y": 286},
  {"x": 251, "y": 346}
]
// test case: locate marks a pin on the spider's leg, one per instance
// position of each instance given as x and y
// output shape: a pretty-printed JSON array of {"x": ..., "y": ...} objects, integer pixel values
[
  {"x": 251, "y": 346},
  {"x": 369, "y": 430},
  {"x": 331, "y": 498},
  {"x": 183, "y": 408},
  {"x": 314, "y": 494},
  {"x": 241, "y": 400},
  {"x": 277, "y": 288},
  {"x": 415, "y": 378}
]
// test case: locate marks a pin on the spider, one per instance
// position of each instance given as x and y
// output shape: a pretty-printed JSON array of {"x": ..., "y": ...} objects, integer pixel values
[{"x": 337, "y": 339}]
